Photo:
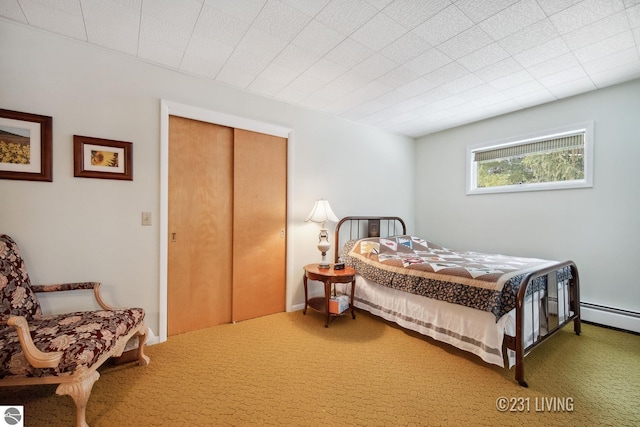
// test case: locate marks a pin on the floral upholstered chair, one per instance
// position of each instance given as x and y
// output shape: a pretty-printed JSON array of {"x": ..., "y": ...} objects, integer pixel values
[{"x": 65, "y": 349}]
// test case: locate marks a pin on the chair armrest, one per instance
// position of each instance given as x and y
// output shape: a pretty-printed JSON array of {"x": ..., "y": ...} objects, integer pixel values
[
  {"x": 35, "y": 357},
  {"x": 64, "y": 287},
  {"x": 73, "y": 287}
]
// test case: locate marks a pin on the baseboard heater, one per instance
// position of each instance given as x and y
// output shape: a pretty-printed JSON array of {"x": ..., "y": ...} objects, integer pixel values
[{"x": 610, "y": 316}]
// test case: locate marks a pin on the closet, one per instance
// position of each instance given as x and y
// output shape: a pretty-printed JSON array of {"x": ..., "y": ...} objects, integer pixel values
[{"x": 226, "y": 224}]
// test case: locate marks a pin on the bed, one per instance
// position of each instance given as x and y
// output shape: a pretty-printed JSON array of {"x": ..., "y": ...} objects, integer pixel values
[{"x": 496, "y": 307}]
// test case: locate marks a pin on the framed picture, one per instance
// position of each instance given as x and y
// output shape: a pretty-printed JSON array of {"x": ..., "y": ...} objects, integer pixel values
[
  {"x": 25, "y": 146},
  {"x": 374, "y": 228},
  {"x": 102, "y": 158}
]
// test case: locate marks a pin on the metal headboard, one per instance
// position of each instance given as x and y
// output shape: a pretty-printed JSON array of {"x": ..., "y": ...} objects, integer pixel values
[{"x": 359, "y": 227}]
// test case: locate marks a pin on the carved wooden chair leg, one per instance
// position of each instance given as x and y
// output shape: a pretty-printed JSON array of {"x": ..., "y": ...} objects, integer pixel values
[
  {"x": 80, "y": 392},
  {"x": 143, "y": 359}
]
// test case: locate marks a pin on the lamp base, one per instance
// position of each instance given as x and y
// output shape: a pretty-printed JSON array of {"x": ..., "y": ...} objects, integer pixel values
[{"x": 324, "y": 266}]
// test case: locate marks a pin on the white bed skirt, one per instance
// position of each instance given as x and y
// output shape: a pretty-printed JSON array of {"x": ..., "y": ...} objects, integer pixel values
[{"x": 466, "y": 328}]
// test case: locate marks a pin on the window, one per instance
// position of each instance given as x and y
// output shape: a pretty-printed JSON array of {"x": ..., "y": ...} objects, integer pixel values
[{"x": 551, "y": 160}]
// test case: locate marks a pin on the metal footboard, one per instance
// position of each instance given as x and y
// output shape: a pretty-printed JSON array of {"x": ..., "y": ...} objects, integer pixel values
[{"x": 548, "y": 309}]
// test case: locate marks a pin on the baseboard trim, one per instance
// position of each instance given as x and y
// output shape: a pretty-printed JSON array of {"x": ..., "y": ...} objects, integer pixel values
[
  {"x": 297, "y": 307},
  {"x": 610, "y": 316}
]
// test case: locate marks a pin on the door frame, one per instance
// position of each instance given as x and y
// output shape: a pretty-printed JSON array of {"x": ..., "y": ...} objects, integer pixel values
[{"x": 170, "y": 108}]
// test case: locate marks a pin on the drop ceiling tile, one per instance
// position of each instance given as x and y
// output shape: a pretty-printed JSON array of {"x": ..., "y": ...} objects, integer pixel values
[
  {"x": 296, "y": 58},
  {"x": 481, "y": 91},
  {"x": 349, "y": 53},
  {"x": 399, "y": 76},
  {"x": 443, "y": 26},
  {"x": 182, "y": 13},
  {"x": 10, "y": 9},
  {"x": 584, "y": 13},
  {"x": 260, "y": 43},
  {"x": 378, "y": 4},
  {"x": 375, "y": 118},
  {"x": 407, "y": 105},
  {"x": 563, "y": 77},
  {"x": 478, "y": 11},
  {"x": 620, "y": 74},
  {"x": 605, "y": 47},
  {"x": 219, "y": 26},
  {"x": 204, "y": 56},
  {"x": 465, "y": 43},
  {"x": 535, "y": 98},
  {"x": 319, "y": 100},
  {"x": 499, "y": 69},
  {"x": 411, "y": 13},
  {"x": 161, "y": 41},
  {"x": 530, "y": 37},
  {"x": 575, "y": 87},
  {"x": 272, "y": 79},
  {"x": 428, "y": 62},
  {"x": 513, "y": 19},
  {"x": 281, "y": 20},
  {"x": 512, "y": 80},
  {"x": 366, "y": 93},
  {"x": 364, "y": 110},
  {"x": 448, "y": 103},
  {"x": 98, "y": 16},
  {"x": 318, "y": 38},
  {"x": 633, "y": 14},
  {"x": 406, "y": 48},
  {"x": 245, "y": 10},
  {"x": 447, "y": 74},
  {"x": 379, "y": 32},
  {"x": 615, "y": 60},
  {"x": 316, "y": 76},
  {"x": 415, "y": 87},
  {"x": 308, "y": 7},
  {"x": 61, "y": 17},
  {"x": 348, "y": 82},
  {"x": 375, "y": 66},
  {"x": 292, "y": 96},
  {"x": 394, "y": 96},
  {"x": 346, "y": 16},
  {"x": 463, "y": 83},
  {"x": 598, "y": 31},
  {"x": 541, "y": 53},
  {"x": 484, "y": 57},
  {"x": 241, "y": 68},
  {"x": 553, "y": 65},
  {"x": 552, "y": 7}
]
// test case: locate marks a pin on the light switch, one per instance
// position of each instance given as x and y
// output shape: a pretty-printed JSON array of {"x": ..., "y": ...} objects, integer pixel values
[{"x": 146, "y": 218}]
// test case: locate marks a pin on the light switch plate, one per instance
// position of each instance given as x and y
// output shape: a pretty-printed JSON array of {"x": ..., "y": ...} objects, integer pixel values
[{"x": 146, "y": 218}]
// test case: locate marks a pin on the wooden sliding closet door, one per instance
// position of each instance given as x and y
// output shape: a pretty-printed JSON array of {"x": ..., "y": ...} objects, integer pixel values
[
  {"x": 200, "y": 225},
  {"x": 259, "y": 224}
]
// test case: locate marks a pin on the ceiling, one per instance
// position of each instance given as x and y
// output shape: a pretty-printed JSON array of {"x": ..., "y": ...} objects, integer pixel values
[{"x": 411, "y": 67}]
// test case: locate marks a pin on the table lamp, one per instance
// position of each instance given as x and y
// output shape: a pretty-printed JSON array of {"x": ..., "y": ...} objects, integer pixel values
[{"x": 321, "y": 213}]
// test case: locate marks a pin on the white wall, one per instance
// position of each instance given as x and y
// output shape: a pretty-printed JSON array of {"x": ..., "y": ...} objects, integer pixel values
[
  {"x": 598, "y": 228},
  {"x": 76, "y": 229}
]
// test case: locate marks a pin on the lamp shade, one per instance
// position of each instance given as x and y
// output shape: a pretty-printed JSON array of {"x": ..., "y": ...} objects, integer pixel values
[{"x": 321, "y": 212}]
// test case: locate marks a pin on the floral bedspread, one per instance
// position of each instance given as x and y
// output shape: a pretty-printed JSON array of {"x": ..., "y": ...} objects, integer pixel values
[{"x": 411, "y": 264}]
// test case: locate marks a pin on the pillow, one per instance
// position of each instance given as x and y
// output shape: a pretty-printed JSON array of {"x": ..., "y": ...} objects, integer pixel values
[{"x": 16, "y": 296}]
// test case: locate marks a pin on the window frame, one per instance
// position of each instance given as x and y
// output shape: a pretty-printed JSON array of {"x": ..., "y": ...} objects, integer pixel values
[{"x": 586, "y": 182}]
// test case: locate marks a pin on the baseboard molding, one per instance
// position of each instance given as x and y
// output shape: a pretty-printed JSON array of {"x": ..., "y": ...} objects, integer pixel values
[
  {"x": 610, "y": 316},
  {"x": 297, "y": 307}
]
